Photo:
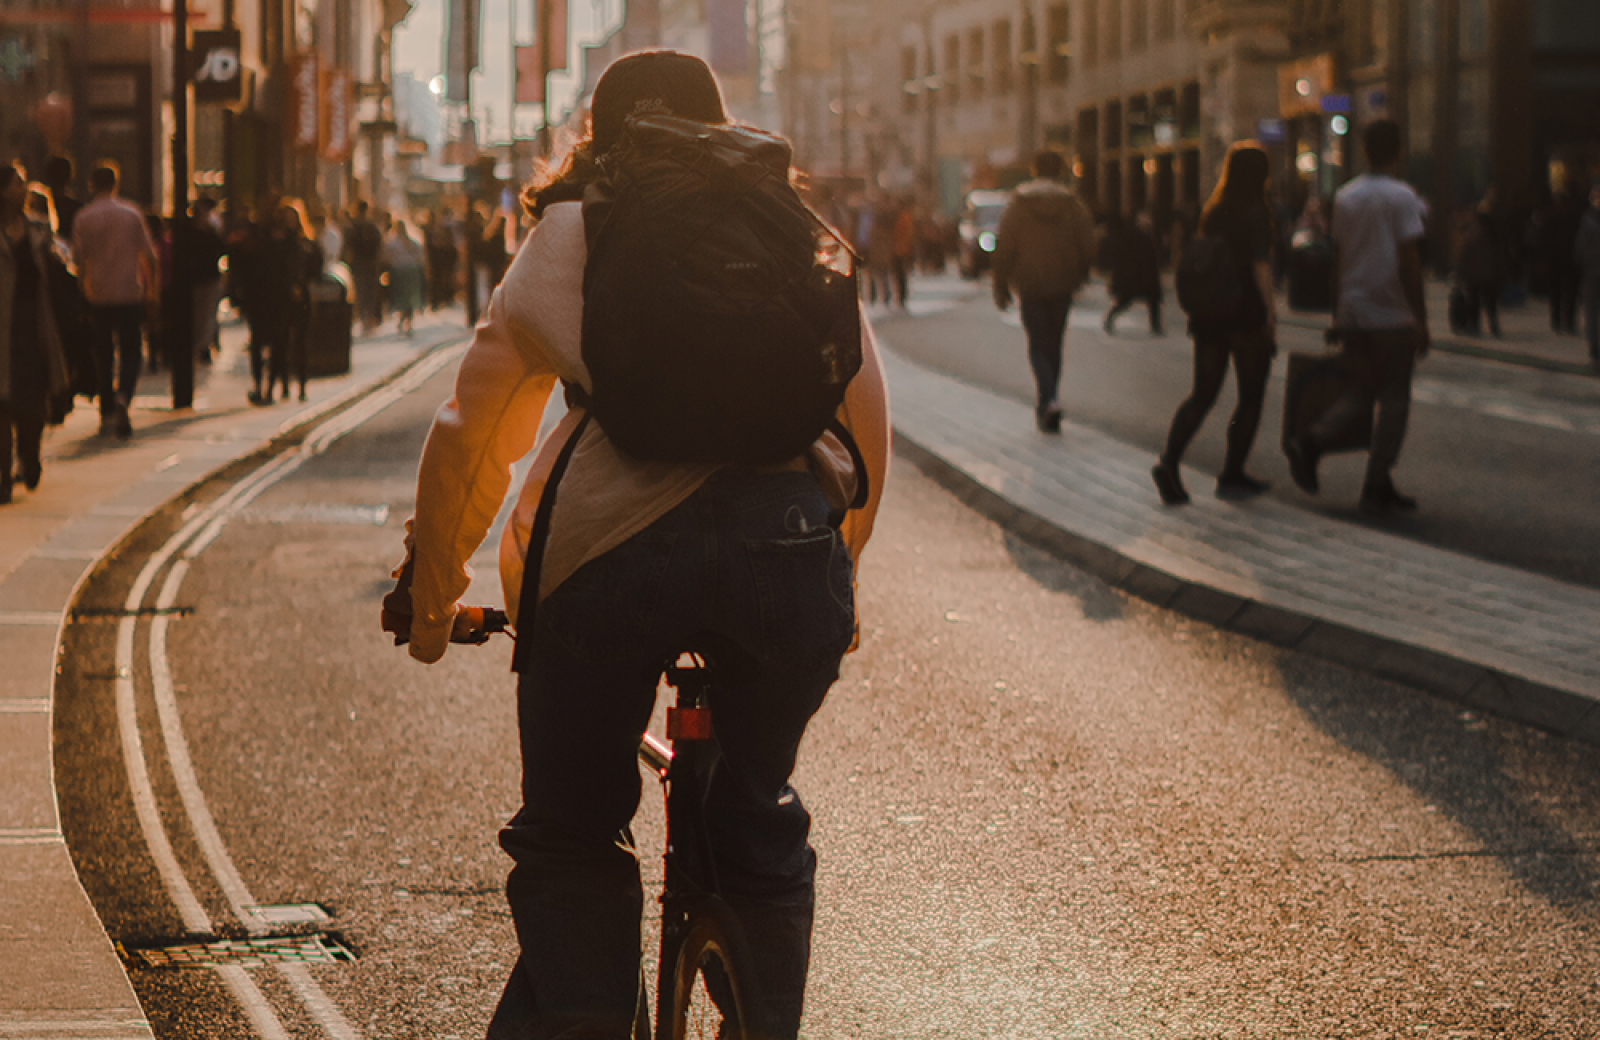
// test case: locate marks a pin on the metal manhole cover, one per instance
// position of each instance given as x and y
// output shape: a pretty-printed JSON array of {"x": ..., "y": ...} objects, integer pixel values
[{"x": 244, "y": 953}]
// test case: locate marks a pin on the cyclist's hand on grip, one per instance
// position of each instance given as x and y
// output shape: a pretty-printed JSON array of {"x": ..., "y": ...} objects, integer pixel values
[{"x": 396, "y": 614}]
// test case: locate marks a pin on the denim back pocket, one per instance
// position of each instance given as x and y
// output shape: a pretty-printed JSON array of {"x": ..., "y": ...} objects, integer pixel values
[{"x": 804, "y": 594}]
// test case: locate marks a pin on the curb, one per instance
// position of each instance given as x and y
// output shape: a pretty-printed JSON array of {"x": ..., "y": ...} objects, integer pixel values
[
  {"x": 1549, "y": 708},
  {"x": 286, "y": 436},
  {"x": 1476, "y": 350}
]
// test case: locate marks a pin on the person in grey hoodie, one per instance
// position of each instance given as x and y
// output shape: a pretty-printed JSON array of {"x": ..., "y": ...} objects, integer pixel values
[
  {"x": 1586, "y": 252},
  {"x": 1044, "y": 249}
]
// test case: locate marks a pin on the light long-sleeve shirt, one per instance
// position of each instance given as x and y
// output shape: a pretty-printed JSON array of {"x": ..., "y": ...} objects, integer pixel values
[{"x": 531, "y": 339}]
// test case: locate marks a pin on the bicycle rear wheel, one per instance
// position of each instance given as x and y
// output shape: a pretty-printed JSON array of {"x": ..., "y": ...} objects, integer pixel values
[{"x": 709, "y": 983}]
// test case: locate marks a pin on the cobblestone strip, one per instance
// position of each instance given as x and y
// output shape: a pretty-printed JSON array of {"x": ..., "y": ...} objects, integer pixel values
[{"x": 1475, "y": 629}]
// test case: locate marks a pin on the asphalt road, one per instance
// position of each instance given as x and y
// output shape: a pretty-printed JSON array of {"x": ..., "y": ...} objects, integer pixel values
[
  {"x": 1502, "y": 459},
  {"x": 1043, "y": 809}
]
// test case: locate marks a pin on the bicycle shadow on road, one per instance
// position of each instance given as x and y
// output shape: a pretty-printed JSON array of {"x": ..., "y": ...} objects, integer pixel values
[{"x": 1530, "y": 800}]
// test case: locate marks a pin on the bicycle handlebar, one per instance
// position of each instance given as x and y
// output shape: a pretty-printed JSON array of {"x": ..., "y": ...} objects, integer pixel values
[{"x": 473, "y": 625}]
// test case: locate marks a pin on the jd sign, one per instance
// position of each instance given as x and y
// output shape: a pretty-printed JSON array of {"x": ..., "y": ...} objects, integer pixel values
[{"x": 218, "y": 75}]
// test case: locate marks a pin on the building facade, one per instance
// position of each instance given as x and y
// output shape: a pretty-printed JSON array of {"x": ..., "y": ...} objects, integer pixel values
[
  {"x": 1145, "y": 96},
  {"x": 285, "y": 93}
]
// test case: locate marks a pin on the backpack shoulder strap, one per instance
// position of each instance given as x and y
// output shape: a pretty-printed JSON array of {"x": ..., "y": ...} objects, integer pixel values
[{"x": 533, "y": 563}]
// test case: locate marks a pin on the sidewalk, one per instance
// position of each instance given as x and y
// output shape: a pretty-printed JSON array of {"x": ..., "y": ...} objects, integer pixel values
[
  {"x": 1488, "y": 635},
  {"x": 59, "y": 978},
  {"x": 1526, "y": 338}
]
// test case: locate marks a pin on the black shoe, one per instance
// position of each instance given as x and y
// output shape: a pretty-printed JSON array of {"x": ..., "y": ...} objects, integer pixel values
[
  {"x": 1302, "y": 464},
  {"x": 123, "y": 424},
  {"x": 1169, "y": 485},
  {"x": 1376, "y": 501},
  {"x": 31, "y": 472},
  {"x": 1109, "y": 325},
  {"x": 1049, "y": 419},
  {"x": 1240, "y": 486},
  {"x": 5, "y": 493}
]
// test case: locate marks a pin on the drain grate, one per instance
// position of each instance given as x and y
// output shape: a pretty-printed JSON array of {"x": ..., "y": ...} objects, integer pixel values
[
  {"x": 320, "y": 513},
  {"x": 243, "y": 953}
]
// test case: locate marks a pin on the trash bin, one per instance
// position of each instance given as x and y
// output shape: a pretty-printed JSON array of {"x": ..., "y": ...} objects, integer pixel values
[
  {"x": 328, "y": 334},
  {"x": 1310, "y": 273}
]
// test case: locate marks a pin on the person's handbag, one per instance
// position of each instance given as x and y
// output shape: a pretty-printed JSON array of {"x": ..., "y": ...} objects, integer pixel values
[{"x": 1315, "y": 383}]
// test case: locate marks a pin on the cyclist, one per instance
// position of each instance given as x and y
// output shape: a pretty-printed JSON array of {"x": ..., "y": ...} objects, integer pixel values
[{"x": 640, "y": 557}]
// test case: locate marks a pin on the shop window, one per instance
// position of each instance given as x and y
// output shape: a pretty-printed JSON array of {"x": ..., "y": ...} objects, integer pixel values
[
  {"x": 975, "y": 59},
  {"x": 1166, "y": 20},
  {"x": 1140, "y": 134},
  {"x": 1189, "y": 112},
  {"x": 952, "y": 68},
  {"x": 1058, "y": 35},
  {"x": 1113, "y": 137},
  {"x": 1000, "y": 48}
]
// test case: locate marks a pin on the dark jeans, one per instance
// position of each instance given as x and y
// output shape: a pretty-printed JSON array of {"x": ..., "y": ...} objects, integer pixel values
[
  {"x": 1151, "y": 300},
  {"x": 1381, "y": 362},
  {"x": 747, "y": 557},
  {"x": 1251, "y": 353},
  {"x": 271, "y": 329},
  {"x": 1044, "y": 318},
  {"x": 117, "y": 344},
  {"x": 1591, "y": 316}
]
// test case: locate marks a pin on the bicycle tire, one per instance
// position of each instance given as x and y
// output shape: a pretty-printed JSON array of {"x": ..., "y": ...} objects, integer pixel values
[{"x": 711, "y": 958}]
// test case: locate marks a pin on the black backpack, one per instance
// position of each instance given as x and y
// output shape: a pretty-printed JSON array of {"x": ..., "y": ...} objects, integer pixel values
[
  {"x": 1209, "y": 286},
  {"x": 721, "y": 321}
]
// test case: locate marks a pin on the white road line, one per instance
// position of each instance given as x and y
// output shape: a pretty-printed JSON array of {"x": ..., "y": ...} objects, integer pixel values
[{"x": 201, "y": 530}]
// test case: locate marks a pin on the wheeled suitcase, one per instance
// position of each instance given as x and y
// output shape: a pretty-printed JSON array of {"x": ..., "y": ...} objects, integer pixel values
[
  {"x": 328, "y": 330},
  {"x": 1315, "y": 382}
]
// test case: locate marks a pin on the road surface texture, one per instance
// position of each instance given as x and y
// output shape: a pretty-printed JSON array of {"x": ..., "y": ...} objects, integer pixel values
[{"x": 1044, "y": 809}]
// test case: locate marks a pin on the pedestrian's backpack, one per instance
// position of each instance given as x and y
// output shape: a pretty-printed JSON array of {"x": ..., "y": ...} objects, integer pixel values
[
  {"x": 1209, "y": 286},
  {"x": 720, "y": 314}
]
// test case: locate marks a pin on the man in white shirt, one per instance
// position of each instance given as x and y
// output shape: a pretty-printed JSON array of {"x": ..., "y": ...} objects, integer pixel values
[{"x": 1380, "y": 314}]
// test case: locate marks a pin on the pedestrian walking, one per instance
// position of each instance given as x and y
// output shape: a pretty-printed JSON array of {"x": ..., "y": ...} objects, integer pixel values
[
  {"x": 402, "y": 263},
  {"x": 774, "y": 593},
  {"x": 879, "y": 236},
  {"x": 302, "y": 266},
  {"x": 363, "y": 244},
  {"x": 1380, "y": 316},
  {"x": 33, "y": 368},
  {"x": 1135, "y": 262},
  {"x": 329, "y": 237},
  {"x": 442, "y": 254},
  {"x": 1043, "y": 251},
  {"x": 1480, "y": 272},
  {"x": 905, "y": 250},
  {"x": 1243, "y": 333},
  {"x": 1559, "y": 234},
  {"x": 206, "y": 250},
  {"x": 58, "y": 178},
  {"x": 1586, "y": 254},
  {"x": 119, "y": 274}
]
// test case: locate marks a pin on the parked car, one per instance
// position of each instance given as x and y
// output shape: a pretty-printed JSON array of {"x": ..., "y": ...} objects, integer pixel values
[{"x": 980, "y": 221}]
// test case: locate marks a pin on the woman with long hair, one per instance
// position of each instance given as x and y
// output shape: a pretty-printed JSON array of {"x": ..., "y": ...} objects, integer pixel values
[
  {"x": 33, "y": 370},
  {"x": 401, "y": 260},
  {"x": 641, "y": 556},
  {"x": 1237, "y": 213}
]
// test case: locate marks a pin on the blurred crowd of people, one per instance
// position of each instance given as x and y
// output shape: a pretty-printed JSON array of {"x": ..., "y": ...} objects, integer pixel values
[{"x": 95, "y": 292}]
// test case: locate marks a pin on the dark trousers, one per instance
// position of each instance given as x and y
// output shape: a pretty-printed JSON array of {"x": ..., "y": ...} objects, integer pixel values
[
  {"x": 1483, "y": 301},
  {"x": 1151, "y": 300},
  {"x": 1564, "y": 300},
  {"x": 747, "y": 557},
  {"x": 117, "y": 343},
  {"x": 270, "y": 333},
  {"x": 1044, "y": 319},
  {"x": 1591, "y": 316},
  {"x": 1381, "y": 362},
  {"x": 27, "y": 418},
  {"x": 1251, "y": 353}
]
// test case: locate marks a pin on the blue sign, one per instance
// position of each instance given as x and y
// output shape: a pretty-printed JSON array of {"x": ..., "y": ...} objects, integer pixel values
[
  {"x": 1336, "y": 103},
  {"x": 1272, "y": 131}
]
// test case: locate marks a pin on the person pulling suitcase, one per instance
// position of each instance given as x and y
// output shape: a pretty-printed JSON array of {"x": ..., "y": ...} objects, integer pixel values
[{"x": 1380, "y": 315}]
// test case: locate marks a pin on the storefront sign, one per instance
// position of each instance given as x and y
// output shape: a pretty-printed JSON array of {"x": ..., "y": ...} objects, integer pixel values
[
  {"x": 218, "y": 74},
  {"x": 338, "y": 114},
  {"x": 305, "y": 107}
]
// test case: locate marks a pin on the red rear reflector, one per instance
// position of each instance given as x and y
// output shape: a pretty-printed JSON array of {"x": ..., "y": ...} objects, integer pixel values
[{"x": 689, "y": 723}]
